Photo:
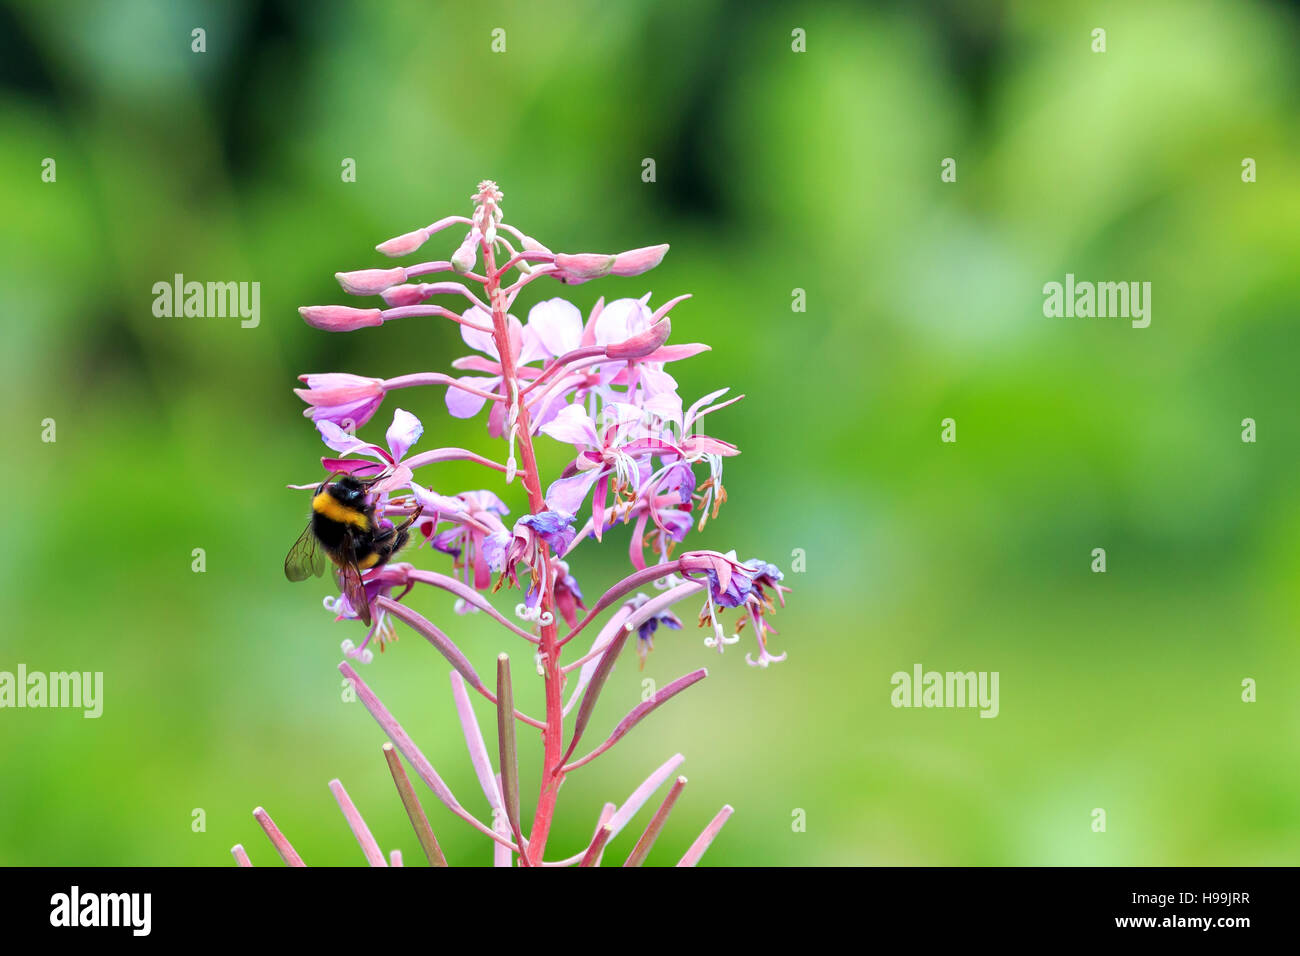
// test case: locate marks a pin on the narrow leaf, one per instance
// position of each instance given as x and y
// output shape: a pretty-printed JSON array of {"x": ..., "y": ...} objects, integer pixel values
[
  {"x": 656, "y": 825},
  {"x": 419, "y": 821},
  {"x": 704, "y": 839},
  {"x": 509, "y": 753}
]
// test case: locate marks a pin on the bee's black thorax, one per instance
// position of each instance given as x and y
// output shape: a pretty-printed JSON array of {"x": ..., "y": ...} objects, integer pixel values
[{"x": 342, "y": 519}]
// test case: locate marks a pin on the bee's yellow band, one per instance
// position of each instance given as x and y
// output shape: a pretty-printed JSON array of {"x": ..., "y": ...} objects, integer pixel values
[{"x": 329, "y": 506}]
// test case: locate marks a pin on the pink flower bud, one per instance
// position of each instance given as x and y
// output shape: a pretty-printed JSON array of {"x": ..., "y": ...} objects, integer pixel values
[
  {"x": 340, "y": 318},
  {"x": 637, "y": 261},
  {"x": 405, "y": 244},
  {"x": 643, "y": 343},
  {"x": 464, "y": 258},
  {"x": 370, "y": 281},
  {"x": 400, "y": 295},
  {"x": 583, "y": 267}
]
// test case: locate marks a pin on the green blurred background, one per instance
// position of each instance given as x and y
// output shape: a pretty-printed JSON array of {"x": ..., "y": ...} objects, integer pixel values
[{"x": 775, "y": 170}]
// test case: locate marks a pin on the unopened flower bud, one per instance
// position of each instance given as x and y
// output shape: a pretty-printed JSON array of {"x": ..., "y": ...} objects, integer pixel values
[
  {"x": 340, "y": 318},
  {"x": 464, "y": 258},
  {"x": 585, "y": 266},
  {"x": 643, "y": 343},
  {"x": 636, "y": 261},
  {"x": 370, "y": 281},
  {"x": 405, "y": 244},
  {"x": 408, "y": 294}
]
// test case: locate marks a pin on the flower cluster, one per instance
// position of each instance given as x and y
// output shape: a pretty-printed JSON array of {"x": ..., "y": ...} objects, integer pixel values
[{"x": 637, "y": 455}]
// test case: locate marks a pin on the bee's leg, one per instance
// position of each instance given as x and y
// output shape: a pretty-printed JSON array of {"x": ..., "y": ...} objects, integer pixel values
[
  {"x": 389, "y": 543},
  {"x": 401, "y": 528}
]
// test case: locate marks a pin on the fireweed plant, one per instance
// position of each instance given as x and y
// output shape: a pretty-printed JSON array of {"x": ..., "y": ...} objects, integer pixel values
[{"x": 639, "y": 458}]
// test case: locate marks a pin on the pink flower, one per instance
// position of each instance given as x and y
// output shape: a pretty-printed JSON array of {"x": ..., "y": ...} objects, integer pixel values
[
  {"x": 621, "y": 451},
  {"x": 346, "y": 400},
  {"x": 525, "y": 348},
  {"x": 478, "y": 539},
  {"x": 404, "y": 432},
  {"x": 600, "y": 386}
]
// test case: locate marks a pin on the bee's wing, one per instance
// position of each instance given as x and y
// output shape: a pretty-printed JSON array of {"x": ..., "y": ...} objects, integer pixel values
[
  {"x": 353, "y": 588},
  {"x": 304, "y": 558}
]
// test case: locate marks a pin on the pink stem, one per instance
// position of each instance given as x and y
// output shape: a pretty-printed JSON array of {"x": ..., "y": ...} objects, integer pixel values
[
  {"x": 453, "y": 454},
  {"x": 629, "y": 584},
  {"x": 282, "y": 845},
  {"x": 552, "y": 737},
  {"x": 470, "y": 596},
  {"x": 437, "y": 378},
  {"x": 402, "y": 741},
  {"x": 634, "y": 620},
  {"x": 639, "y": 713},
  {"x": 704, "y": 839},
  {"x": 590, "y": 351},
  {"x": 411, "y": 311},
  {"x": 530, "y": 255},
  {"x": 369, "y": 847}
]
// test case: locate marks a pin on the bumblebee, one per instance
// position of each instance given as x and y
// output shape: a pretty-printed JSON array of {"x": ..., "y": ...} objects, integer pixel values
[{"x": 343, "y": 526}]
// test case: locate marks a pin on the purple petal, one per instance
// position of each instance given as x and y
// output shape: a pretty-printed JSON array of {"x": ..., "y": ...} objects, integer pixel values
[
  {"x": 553, "y": 527},
  {"x": 403, "y": 433},
  {"x": 462, "y": 404},
  {"x": 620, "y": 320},
  {"x": 568, "y": 494},
  {"x": 558, "y": 325},
  {"x": 573, "y": 426},
  {"x": 343, "y": 443},
  {"x": 479, "y": 341},
  {"x": 531, "y": 348},
  {"x": 494, "y": 549},
  {"x": 434, "y": 502}
]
